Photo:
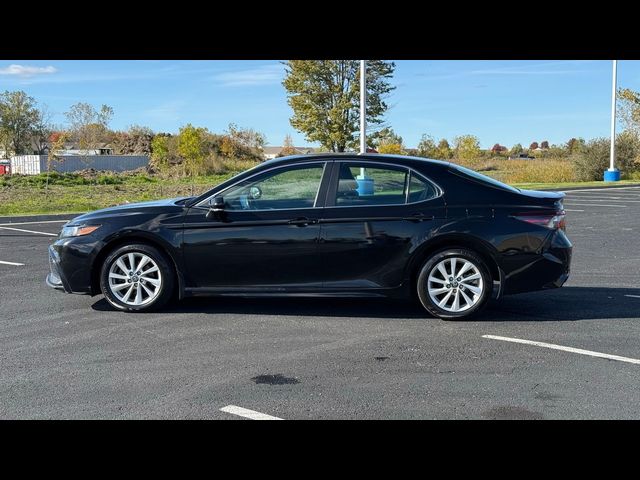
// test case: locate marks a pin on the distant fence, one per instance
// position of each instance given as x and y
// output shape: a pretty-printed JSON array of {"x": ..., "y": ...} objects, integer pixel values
[{"x": 35, "y": 164}]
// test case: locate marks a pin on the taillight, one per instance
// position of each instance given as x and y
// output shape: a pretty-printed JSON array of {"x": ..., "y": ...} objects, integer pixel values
[{"x": 552, "y": 220}]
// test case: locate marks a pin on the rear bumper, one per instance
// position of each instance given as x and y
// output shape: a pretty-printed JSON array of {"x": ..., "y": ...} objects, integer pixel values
[{"x": 548, "y": 268}]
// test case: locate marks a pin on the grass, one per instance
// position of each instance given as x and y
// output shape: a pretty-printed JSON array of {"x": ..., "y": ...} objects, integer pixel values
[{"x": 72, "y": 193}]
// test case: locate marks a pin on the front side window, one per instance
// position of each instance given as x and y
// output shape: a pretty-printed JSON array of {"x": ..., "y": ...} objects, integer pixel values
[
  {"x": 367, "y": 185},
  {"x": 286, "y": 188}
]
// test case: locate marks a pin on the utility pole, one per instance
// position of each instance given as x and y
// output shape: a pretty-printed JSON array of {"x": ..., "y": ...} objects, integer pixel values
[{"x": 613, "y": 174}]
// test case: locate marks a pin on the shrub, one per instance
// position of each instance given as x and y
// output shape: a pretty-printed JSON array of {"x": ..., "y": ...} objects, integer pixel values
[{"x": 593, "y": 159}]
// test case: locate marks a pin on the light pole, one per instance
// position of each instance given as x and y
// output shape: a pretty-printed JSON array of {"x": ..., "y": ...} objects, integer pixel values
[
  {"x": 365, "y": 184},
  {"x": 363, "y": 106},
  {"x": 613, "y": 174}
]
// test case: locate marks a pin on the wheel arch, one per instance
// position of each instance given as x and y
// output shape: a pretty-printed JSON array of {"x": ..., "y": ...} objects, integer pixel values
[
  {"x": 127, "y": 239},
  {"x": 448, "y": 241}
]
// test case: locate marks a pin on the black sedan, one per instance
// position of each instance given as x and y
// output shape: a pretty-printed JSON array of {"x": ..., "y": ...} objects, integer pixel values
[{"x": 324, "y": 225}]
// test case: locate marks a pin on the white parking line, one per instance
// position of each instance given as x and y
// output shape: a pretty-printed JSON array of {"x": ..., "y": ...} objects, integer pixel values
[
  {"x": 11, "y": 224},
  {"x": 633, "y": 296},
  {"x": 246, "y": 413},
  {"x": 603, "y": 190},
  {"x": 570, "y": 210},
  {"x": 12, "y": 263},
  {"x": 566, "y": 349},
  {"x": 603, "y": 199},
  {"x": 596, "y": 205},
  {"x": 29, "y": 231}
]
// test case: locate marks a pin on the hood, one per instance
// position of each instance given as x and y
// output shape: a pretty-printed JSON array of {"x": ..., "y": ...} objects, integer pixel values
[{"x": 156, "y": 206}]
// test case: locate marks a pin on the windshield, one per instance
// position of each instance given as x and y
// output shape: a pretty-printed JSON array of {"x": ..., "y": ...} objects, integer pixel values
[{"x": 483, "y": 178}]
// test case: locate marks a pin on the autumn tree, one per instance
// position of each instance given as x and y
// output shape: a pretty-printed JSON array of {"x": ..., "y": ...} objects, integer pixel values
[
  {"x": 533, "y": 146},
  {"x": 575, "y": 145},
  {"x": 467, "y": 147},
  {"x": 444, "y": 151},
  {"x": 89, "y": 127},
  {"x": 628, "y": 108},
  {"x": 191, "y": 147},
  {"x": 325, "y": 98},
  {"x": 544, "y": 145},
  {"x": 287, "y": 147}
]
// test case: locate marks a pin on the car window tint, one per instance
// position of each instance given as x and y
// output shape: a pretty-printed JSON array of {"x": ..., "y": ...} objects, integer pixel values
[
  {"x": 288, "y": 188},
  {"x": 365, "y": 185},
  {"x": 420, "y": 189}
]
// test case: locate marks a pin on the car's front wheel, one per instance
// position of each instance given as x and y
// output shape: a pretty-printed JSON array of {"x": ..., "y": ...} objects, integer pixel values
[
  {"x": 137, "y": 278},
  {"x": 454, "y": 284}
]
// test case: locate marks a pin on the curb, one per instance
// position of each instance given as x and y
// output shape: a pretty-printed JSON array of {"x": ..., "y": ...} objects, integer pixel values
[{"x": 592, "y": 187}]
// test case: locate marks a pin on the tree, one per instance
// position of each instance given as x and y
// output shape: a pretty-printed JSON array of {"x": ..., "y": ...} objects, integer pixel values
[
  {"x": 629, "y": 109},
  {"x": 88, "y": 126},
  {"x": 516, "y": 150},
  {"x": 533, "y": 146},
  {"x": 41, "y": 129},
  {"x": 427, "y": 147},
  {"x": 191, "y": 148},
  {"x": 444, "y": 151},
  {"x": 391, "y": 148},
  {"x": 497, "y": 149},
  {"x": 467, "y": 147},
  {"x": 325, "y": 98},
  {"x": 544, "y": 145},
  {"x": 575, "y": 145},
  {"x": 18, "y": 114},
  {"x": 287, "y": 147}
]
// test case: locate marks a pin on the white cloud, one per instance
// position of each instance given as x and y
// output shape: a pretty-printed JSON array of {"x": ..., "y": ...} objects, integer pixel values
[
  {"x": 265, "y": 75},
  {"x": 26, "y": 70}
]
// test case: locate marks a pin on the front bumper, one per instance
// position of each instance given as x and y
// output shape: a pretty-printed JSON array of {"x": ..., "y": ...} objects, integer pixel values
[{"x": 68, "y": 271}]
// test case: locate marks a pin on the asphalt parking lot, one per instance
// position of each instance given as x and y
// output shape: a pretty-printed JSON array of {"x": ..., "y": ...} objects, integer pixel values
[{"x": 67, "y": 356}]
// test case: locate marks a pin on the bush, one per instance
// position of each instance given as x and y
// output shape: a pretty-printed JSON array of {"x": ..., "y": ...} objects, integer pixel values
[{"x": 593, "y": 159}]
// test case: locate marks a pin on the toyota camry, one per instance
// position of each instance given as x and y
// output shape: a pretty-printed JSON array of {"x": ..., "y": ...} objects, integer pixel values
[{"x": 334, "y": 225}]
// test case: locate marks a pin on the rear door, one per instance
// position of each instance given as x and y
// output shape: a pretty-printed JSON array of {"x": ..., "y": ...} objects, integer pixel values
[{"x": 375, "y": 214}]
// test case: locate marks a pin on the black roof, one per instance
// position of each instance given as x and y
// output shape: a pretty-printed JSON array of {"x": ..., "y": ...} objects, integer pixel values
[{"x": 373, "y": 157}]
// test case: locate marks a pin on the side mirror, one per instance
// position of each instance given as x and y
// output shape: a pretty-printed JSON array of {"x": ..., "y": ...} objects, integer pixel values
[{"x": 216, "y": 208}]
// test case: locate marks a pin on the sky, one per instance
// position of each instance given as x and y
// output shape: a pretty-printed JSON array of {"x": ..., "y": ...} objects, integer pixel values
[{"x": 499, "y": 101}]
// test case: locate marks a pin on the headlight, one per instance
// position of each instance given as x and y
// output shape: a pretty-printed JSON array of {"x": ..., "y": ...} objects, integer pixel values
[{"x": 78, "y": 230}]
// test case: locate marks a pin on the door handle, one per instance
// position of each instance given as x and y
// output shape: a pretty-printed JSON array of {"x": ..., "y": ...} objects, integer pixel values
[
  {"x": 418, "y": 217},
  {"x": 302, "y": 221}
]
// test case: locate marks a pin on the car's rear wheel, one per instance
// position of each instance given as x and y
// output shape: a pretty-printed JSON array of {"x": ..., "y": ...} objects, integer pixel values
[
  {"x": 454, "y": 284},
  {"x": 137, "y": 278}
]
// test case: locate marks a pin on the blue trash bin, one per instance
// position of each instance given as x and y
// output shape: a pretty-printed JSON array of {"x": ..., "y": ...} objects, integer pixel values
[
  {"x": 612, "y": 175},
  {"x": 365, "y": 185}
]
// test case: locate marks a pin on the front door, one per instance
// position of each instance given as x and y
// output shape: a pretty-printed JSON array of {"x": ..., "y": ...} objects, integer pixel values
[{"x": 266, "y": 238}]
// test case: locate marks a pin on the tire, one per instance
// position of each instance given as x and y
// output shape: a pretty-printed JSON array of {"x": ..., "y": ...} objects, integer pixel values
[
  {"x": 155, "y": 279},
  {"x": 473, "y": 290}
]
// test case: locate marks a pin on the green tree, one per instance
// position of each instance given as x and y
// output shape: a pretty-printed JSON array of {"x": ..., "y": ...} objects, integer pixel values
[
  {"x": 325, "y": 98},
  {"x": 516, "y": 150},
  {"x": 18, "y": 114},
  {"x": 467, "y": 147},
  {"x": 160, "y": 155},
  {"x": 427, "y": 147}
]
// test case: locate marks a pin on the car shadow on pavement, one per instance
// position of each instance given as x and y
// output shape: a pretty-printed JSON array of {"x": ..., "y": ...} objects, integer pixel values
[{"x": 564, "y": 304}]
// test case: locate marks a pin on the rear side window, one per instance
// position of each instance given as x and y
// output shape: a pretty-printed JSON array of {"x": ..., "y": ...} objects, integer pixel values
[
  {"x": 420, "y": 189},
  {"x": 366, "y": 185}
]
